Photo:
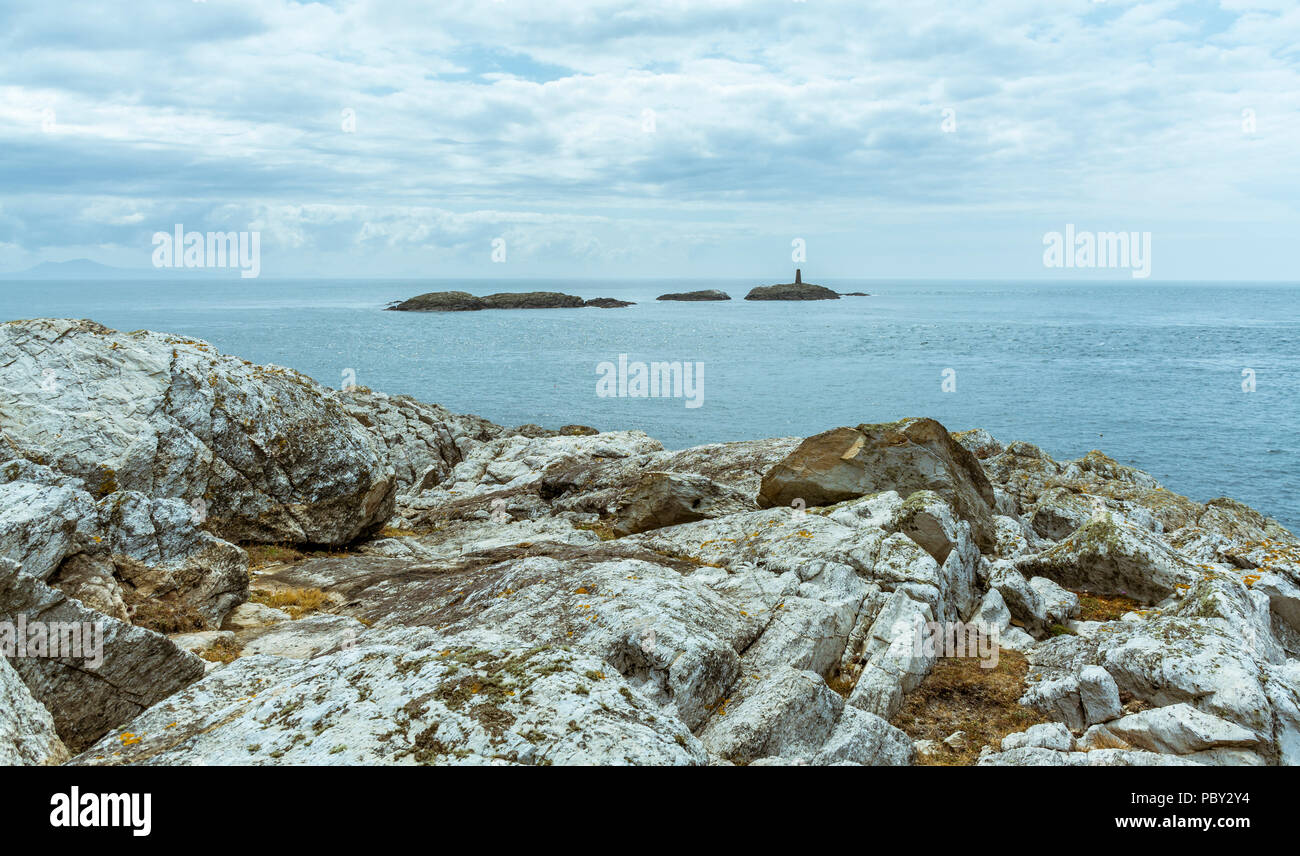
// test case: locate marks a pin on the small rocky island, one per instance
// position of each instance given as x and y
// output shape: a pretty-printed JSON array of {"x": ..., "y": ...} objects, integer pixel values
[
  {"x": 707, "y": 294},
  {"x": 287, "y": 574},
  {"x": 463, "y": 301},
  {"x": 797, "y": 290}
]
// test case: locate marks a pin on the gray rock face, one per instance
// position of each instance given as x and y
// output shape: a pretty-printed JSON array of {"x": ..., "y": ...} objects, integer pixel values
[
  {"x": 1109, "y": 555},
  {"x": 906, "y": 456},
  {"x": 1058, "y": 496},
  {"x": 1048, "y": 735},
  {"x": 27, "y": 735},
  {"x": 122, "y": 551},
  {"x": 265, "y": 453},
  {"x": 409, "y": 696},
  {"x": 421, "y": 442},
  {"x": 136, "y": 668},
  {"x": 979, "y": 443},
  {"x": 1038, "y": 603}
]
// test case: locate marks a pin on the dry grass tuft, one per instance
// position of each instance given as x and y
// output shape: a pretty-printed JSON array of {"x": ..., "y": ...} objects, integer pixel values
[
  {"x": 166, "y": 615},
  {"x": 604, "y": 531},
  {"x": 222, "y": 651},
  {"x": 264, "y": 555},
  {"x": 296, "y": 602},
  {"x": 1105, "y": 607},
  {"x": 960, "y": 695}
]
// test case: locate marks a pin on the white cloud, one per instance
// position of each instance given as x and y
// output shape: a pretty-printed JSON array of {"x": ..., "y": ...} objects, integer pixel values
[{"x": 768, "y": 116}]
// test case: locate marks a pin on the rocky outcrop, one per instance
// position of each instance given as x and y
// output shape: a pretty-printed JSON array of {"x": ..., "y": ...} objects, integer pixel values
[
  {"x": 532, "y": 300},
  {"x": 791, "y": 291},
  {"x": 1111, "y": 556},
  {"x": 409, "y": 696},
  {"x": 1176, "y": 729},
  {"x": 707, "y": 294},
  {"x": 587, "y": 597},
  {"x": 440, "y": 301},
  {"x": 261, "y": 452},
  {"x": 906, "y": 456},
  {"x": 607, "y": 303},
  {"x": 462, "y": 301},
  {"x": 797, "y": 290}
]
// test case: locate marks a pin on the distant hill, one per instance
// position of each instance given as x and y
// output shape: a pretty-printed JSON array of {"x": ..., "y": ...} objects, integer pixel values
[{"x": 76, "y": 269}]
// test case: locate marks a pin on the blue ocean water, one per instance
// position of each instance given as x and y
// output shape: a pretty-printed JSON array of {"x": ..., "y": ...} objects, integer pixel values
[{"x": 1150, "y": 373}]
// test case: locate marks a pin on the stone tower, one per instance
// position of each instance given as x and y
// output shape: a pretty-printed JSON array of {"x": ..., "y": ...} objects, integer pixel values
[{"x": 798, "y": 276}]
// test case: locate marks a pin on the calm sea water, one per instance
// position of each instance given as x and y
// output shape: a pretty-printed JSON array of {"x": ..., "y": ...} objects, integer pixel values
[{"x": 1150, "y": 373}]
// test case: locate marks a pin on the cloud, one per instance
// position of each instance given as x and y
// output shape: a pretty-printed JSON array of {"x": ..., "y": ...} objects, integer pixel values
[{"x": 609, "y": 135}]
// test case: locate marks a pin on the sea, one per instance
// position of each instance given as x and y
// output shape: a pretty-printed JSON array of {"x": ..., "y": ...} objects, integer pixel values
[{"x": 1196, "y": 383}]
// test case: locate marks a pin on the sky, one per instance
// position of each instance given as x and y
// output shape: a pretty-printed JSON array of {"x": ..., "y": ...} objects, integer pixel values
[{"x": 655, "y": 138}]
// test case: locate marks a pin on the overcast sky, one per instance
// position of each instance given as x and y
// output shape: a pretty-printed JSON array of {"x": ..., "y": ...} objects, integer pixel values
[{"x": 654, "y": 137}]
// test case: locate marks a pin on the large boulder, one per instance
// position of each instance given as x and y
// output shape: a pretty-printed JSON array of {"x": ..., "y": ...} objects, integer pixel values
[
  {"x": 1037, "y": 602},
  {"x": 906, "y": 456},
  {"x": 263, "y": 453},
  {"x": 667, "y": 499},
  {"x": 1109, "y": 555},
  {"x": 44, "y": 517},
  {"x": 1177, "y": 729}
]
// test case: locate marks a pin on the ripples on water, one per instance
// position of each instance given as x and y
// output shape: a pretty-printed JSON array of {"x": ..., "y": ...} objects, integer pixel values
[{"x": 1150, "y": 373}]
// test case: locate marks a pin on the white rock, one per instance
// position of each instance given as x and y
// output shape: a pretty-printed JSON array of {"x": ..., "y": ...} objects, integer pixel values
[
  {"x": 1098, "y": 695},
  {"x": 1178, "y": 729},
  {"x": 305, "y": 638},
  {"x": 272, "y": 455},
  {"x": 27, "y": 735},
  {"x": 786, "y": 713},
  {"x": 1048, "y": 735},
  {"x": 406, "y": 696},
  {"x": 864, "y": 738},
  {"x": 247, "y": 616}
]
